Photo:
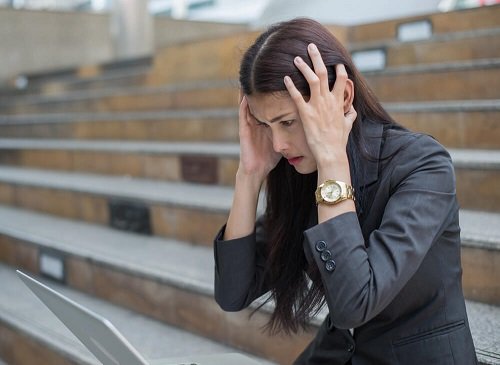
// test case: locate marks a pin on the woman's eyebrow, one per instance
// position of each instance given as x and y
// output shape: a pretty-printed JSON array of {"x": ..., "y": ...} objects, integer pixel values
[
  {"x": 279, "y": 117},
  {"x": 275, "y": 119}
]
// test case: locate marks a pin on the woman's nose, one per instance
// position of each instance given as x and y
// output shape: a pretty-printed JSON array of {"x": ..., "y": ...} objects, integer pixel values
[{"x": 280, "y": 143}]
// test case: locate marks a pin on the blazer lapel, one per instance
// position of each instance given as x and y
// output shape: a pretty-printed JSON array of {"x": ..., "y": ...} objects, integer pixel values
[{"x": 372, "y": 139}]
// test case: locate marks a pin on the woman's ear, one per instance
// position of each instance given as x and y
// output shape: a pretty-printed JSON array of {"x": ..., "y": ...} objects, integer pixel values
[{"x": 348, "y": 95}]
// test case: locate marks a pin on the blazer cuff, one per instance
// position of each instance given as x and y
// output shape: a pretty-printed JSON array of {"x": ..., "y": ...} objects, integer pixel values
[
  {"x": 231, "y": 254},
  {"x": 338, "y": 248}
]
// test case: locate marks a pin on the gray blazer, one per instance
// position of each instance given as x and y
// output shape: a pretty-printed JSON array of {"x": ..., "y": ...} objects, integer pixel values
[{"x": 391, "y": 272}]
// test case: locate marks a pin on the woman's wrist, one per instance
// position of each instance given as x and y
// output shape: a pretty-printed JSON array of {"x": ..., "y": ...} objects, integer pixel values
[
  {"x": 334, "y": 166},
  {"x": 253, "y": 181},
  {"x": 332, "y": 157},
  {"x": 242, "y": 216}
]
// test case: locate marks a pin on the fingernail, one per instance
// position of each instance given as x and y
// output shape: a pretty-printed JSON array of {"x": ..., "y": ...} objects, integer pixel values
[
  {"x": 298, "y": 59},
  {"x": 313, "y": 47},
  {"x": 287, "y": 79}
]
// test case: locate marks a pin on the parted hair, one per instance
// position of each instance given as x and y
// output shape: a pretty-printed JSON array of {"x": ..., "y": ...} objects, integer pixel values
[{"x": 297, "y": 289}]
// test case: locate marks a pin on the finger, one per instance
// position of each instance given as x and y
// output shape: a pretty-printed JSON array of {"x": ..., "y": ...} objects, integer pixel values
[
  {"x": 319, "y": 68},
  {"x": 250, "y": 119},
  {"x": 295, "y": 94},
  {"x": 244, "y": 112},
  {"x": 340, "y": 82},
  {"x": 241, "y": 117},
  {"x": 243, "y": 106},
  {"x": 241, "y": 95},
  {"x": 310, "y": 76}
]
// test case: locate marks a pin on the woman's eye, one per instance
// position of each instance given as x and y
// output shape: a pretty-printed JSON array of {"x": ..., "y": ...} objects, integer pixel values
[
  {"x": 287, "y": 123},
  {"x": 265, "y": 125}
]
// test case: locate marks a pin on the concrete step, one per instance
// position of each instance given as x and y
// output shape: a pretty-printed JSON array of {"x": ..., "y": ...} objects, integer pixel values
[
  {"x": 456, "y": 124},
  {"x": 442, "y": 81},
  {"x": 137, "y": 76},
  {"x": 440, "y": 23},
  {"x": 480, "y": 254},
  {"x": 167, "y": 280},
  {"x": 447, "y": 47},
  {"x": 85, "y": 76},
  {"x": 477, "y": 171},
  {"x": 477, "y": 175},
  {"x": 458, "y": 80},
  {"x": 197, "y": 94},
  {"x": 166, "y": 209},
  {"x": 212, "y": 59},
  {"x": 102, "y": 262},
  {"x": 214, "y": 124},
  {"x": 32, "y": 334},
  {"x": 197, "y": 162},
  {"x": 225, "y": 53}
]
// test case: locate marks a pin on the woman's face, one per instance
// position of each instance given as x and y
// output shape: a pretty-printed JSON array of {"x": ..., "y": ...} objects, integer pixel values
[{"x": 279, "y": 117}]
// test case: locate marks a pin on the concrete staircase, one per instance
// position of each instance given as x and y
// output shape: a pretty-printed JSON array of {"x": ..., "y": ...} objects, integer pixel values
[{"x": 123, "y": 173}]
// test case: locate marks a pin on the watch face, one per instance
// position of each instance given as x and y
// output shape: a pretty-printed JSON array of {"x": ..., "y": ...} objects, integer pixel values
[{"x": 330, "y": 192}]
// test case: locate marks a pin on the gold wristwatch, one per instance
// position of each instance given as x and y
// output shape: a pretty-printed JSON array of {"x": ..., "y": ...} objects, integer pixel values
[{"x": 332, "y": 192}]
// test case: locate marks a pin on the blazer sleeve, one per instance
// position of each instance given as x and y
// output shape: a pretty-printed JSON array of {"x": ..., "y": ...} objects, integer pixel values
[
  {"x": 240, "y": 269},
  {"x": 361, "y": 278}
]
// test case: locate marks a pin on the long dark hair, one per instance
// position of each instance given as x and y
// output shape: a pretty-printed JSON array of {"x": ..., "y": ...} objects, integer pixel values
[{"x": 290, "y": 195}]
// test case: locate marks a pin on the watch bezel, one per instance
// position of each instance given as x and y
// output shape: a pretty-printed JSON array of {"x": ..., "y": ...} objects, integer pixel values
[
  {"x": 328, "y": 184},
  {"x": 346, "y": 192}
]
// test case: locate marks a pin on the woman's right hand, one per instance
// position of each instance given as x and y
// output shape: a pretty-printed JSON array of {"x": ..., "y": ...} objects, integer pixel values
[
  {"x": 257, "y": 159},
  {"x": 257, "y": 156}
]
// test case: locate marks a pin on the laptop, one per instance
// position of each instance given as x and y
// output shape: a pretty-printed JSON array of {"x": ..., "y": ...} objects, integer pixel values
[{"x": 102, "y": 338}]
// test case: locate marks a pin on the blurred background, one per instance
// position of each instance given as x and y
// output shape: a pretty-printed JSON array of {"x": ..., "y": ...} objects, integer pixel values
[
  {"x": 119, "y": 147},
  {"x": 43, "y": 34}
]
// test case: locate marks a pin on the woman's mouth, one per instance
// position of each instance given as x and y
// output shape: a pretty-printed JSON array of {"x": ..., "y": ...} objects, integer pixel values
[{"x": 295, "y": 160}]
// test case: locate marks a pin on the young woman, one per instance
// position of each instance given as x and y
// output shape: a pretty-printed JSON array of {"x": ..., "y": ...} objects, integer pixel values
[{"x": 361, "y": 213}]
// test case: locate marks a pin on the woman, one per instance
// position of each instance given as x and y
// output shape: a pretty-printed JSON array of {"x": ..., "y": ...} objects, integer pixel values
[{"x": 361, "y": 213}]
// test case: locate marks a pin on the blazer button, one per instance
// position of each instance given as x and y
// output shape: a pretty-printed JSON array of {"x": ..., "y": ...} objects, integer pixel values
[
  {"x": 330, "y": 265},
  {"x": 326, "y": 255},
  {"x": 350, "y": 347},
  {"x": 320, "y": 246}
]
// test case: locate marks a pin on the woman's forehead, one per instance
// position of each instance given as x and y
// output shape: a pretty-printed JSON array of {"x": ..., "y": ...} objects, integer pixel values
[
  {"x": 270, "y": 100},
  {"x": 268, "y": 106}
]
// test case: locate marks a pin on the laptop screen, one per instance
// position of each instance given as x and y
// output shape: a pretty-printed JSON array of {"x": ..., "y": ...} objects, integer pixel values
[{"x": 95, "y": 332}]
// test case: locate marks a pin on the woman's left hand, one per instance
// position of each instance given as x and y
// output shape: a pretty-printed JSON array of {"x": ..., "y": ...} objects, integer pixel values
[{"x": 325, "y": 123}]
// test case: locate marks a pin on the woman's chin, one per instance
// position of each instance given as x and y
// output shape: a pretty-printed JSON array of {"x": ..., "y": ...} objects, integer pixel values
[{"x": 305, "y": 170}]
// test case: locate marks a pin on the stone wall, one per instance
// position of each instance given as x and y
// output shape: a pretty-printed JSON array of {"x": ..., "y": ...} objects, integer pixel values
[
  {"x": 36, "y": 41},
  {"x": 32, "y": 41}
]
